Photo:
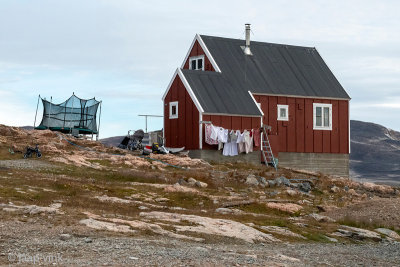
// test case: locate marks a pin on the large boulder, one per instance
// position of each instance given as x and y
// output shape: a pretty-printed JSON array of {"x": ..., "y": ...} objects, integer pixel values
[
  {"x": 304, "y": 187},
  {"x": 191, "y": 181},
  {"x": 357, "y": 233},
  {"x": 201, "y": 184},
  {"x": 388, "y": 233},
  {"x": 251, "y": 180},
  {"x": 321, "y": 218},
  {"x": 282, "y": 181}
]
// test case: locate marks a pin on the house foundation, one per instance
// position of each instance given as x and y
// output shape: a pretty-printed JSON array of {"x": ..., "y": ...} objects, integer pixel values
[
  {"x": 216, "y": 156},
  {"x": 327, "y": 163}
]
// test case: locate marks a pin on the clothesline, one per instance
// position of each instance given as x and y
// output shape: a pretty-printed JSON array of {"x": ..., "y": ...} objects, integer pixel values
[
  {"x": 209, "y": 122},
  {"x": 233, "y": 142}
]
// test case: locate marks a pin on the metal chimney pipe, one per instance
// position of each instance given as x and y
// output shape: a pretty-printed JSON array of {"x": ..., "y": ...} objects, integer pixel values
[{"x": 247, "y": 47}]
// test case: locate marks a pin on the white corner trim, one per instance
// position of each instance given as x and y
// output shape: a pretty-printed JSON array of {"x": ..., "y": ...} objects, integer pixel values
[
  {"x": 348, "y": 113},
  {"x": 188, "y": 52},
  {"x": 190, "y": 91},
  {"x": 255, "y": 102},
  {"x": 208, "y": 54},
  {"x": 205, "y": 49},
  {"x": 169, "y": 85},
  {"x": 200, "y": 130},
  {"x": 187, "y": 86},
  {"x": 322, "y": 112},
  {"x": 279, "y": 118}
]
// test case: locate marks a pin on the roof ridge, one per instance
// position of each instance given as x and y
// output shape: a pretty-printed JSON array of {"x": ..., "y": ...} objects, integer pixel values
[{"x": 259, "y": 42}]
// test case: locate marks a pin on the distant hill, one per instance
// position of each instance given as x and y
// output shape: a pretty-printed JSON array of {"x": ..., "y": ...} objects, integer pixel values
[
  {"x": 375, "y": 152},
  {"x": 26, "y": 127},
  {"x": 112, "y": 141}
]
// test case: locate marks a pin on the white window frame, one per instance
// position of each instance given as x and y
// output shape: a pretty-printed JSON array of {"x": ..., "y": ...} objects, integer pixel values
[
  {"x": 322, "y": 106},
  {"x": 287, "y": 112},
  {"x": 173, "y": 104},
  {"x": 196, "y": 58}
]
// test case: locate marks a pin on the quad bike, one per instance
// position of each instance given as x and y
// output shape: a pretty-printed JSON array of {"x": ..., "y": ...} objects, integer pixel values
[
  {"x": 30, "y": 151},
  {"x": 133, "y": 141}
]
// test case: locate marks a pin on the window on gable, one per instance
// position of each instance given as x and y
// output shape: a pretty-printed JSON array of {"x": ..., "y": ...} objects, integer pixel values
[
  {"x": 283, "y": 112},
  {"x": 196, "y": 63},
  {"x": 322, "y": 116},
  {"x": 173, "y": 110}
]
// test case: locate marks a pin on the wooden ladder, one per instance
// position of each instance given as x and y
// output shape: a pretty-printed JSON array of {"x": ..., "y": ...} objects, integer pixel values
[{"x": 266, "y": 149}]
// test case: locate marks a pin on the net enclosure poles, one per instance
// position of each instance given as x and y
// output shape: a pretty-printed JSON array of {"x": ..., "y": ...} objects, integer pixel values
[
  {"x": 37, "y": 106},
  {"x": 74, "y": 114},
  {"x": 98, "y": 127},
  {"x": 72, "y": 108}
]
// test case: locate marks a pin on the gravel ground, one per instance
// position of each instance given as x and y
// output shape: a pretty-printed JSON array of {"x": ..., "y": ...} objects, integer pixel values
[
  {"x": 26, "y": 164},
  {"x": 40, "y": 240}
]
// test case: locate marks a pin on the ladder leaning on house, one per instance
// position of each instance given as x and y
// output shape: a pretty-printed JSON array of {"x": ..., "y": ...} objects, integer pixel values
[{"x": 266, "y": 149}]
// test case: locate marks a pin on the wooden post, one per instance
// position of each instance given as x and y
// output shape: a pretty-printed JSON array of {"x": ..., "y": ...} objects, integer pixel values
[{"x": 98, "y": 127}]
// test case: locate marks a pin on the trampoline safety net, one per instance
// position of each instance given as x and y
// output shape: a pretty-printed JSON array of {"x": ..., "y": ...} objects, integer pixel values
[{"x": 73, "y": 114}]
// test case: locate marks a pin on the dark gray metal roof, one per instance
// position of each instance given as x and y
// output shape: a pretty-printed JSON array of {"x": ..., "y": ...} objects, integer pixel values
[
  {"x": 218, "y": 95},
  {"x": 272, "y": 69}
]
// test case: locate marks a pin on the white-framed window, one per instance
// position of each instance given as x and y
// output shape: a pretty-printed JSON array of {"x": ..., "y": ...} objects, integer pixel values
[
  {"x": 322, "y": 114},
  {"x": 196, "y": 63},
  {"x": 283, "y": 112},
  {"x": 173, "y": 110}
]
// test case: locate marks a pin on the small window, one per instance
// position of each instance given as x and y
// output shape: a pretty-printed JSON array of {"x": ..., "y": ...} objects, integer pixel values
[
  {"x": 193, "y": 64},
  {"x": 322, "y": 116},
  {"x": 196, "y": 63},
  {"x": 173, "y": 110},
  {"x": 283, "y": 112}
]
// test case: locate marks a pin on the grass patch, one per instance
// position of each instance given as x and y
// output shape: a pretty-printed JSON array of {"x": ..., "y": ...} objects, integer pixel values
[
  {"x": 317, "y": 192},
  {"x": 360, "y": 224},
  {"x": 317, "y": 237},
  {"x": 102, "y": 162},
  {"x": 124, "y": 175},
  {"x": 280, "y": 223},
  {"x": 188, "y": 200}
]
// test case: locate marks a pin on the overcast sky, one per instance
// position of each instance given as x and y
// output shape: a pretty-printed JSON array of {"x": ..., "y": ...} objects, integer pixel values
[{"x": 125, "y": 52}]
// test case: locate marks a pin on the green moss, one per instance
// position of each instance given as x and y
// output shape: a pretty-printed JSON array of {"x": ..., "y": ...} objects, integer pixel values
[
  {"x": 188, "y": 200},
  {"x": 358, "y": 224},
  {"x": 317, "y": 237},
  {"x": 317, "y": 192},
  {"x": 280, "y": 223}
]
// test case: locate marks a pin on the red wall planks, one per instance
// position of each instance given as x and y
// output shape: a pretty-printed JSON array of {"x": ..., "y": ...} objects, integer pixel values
[
  {"x": 183, "y": 131},
  {"x": 335, "y": 128},
  {"x": 297, "y": 134},
  {"x": 291, "y": 129},
  {"x": 198, "y": 51},
  {"x": 343, "y": 127},
  {"x": 300, "y": 125},
  {"x": 308, "y": 119}
]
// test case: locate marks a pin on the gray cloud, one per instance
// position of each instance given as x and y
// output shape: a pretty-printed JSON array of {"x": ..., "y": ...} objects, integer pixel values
[{"x": 127, "y": 50}]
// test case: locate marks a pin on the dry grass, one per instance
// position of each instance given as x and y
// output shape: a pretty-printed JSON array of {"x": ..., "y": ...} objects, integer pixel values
[{"x": 78, "y": 187}]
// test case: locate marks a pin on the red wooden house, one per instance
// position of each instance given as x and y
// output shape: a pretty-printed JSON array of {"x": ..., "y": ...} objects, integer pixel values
[{"x": 236, "y": 85}]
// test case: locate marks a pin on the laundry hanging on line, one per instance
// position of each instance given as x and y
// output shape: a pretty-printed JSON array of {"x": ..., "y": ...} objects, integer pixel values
[{"x": 232, "y": 142}]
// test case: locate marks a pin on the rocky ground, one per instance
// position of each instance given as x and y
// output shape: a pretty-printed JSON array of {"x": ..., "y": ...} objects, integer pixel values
[{"x": 87, "y": 204}]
